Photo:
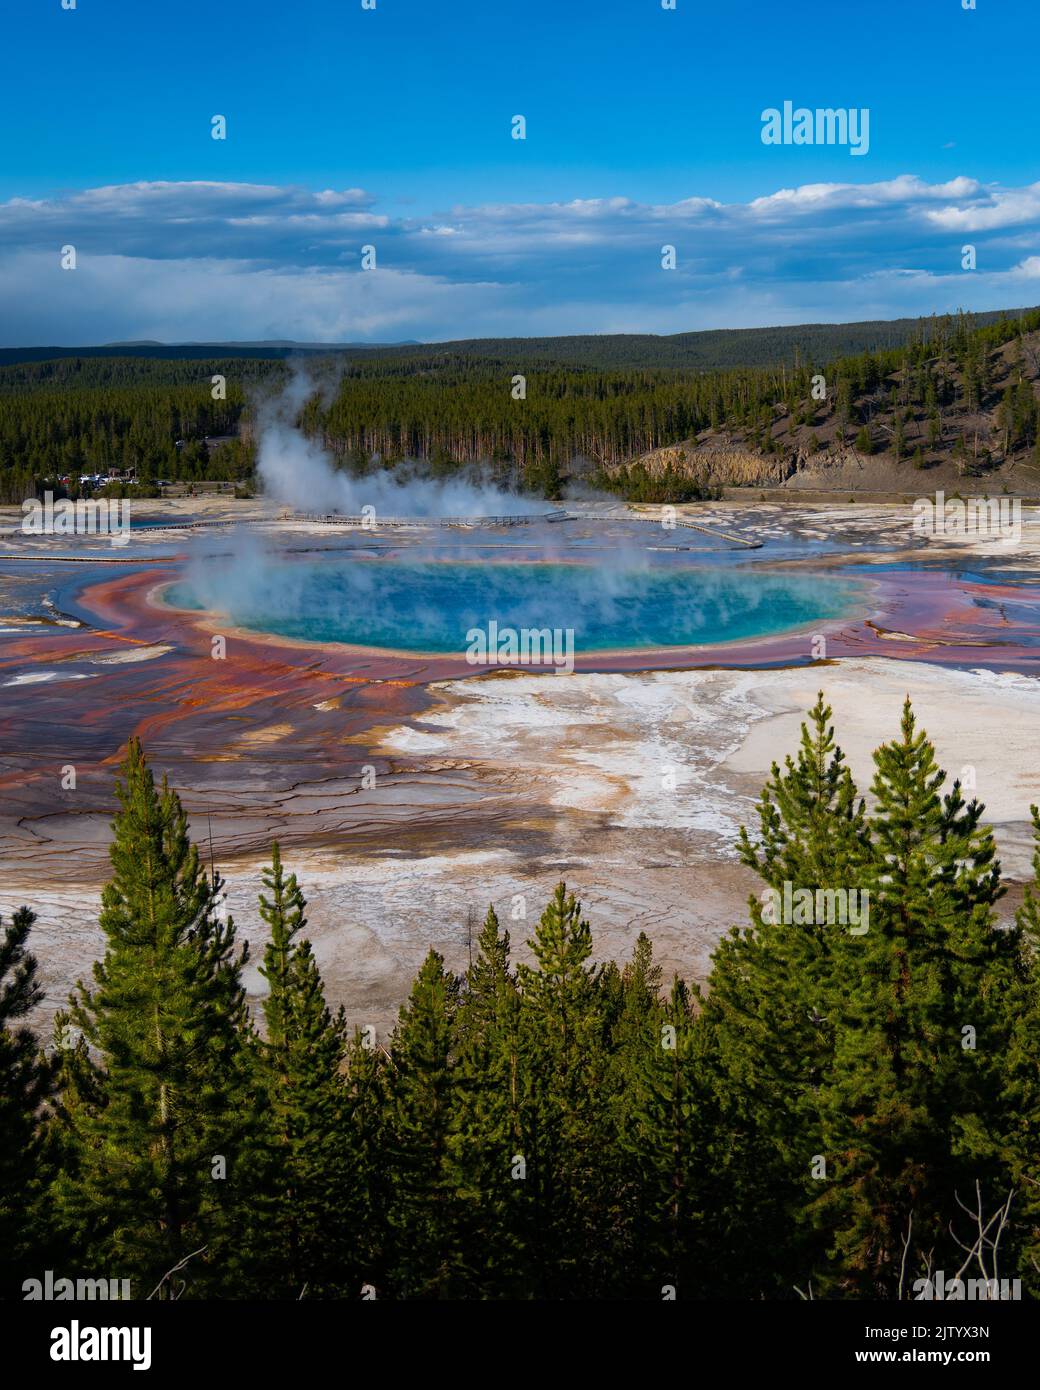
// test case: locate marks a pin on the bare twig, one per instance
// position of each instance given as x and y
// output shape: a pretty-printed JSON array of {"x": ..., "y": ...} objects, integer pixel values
[
  {"x": 906, "y": 1248},
  {"x": 176, "y": 1269},
  {"x": 985, "y": 1244}
]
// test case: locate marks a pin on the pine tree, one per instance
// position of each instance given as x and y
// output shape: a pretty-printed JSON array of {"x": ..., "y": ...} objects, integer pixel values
[
  {"x": 910, "y": 1111},
  {"x": 423, "y": 1220},
  {"x": 765, "y": 1035},
  {"x": 488, "y": 981},
  {"x": 303, "y": 1056},
  {"x": 899, "y": 437},
  {"x": 633, "y": 1014},
  {"x": 25, "y": 1078},
  {"x": 485, "y": 1139},
  {"x": 367, "y": 1200},
  {"x": 1021, "y": 1098},
  {"x": 158, "y": 1156},
  {"x": 566, "y": 1134},
  {"x": 78, "y": 1094},
  {"x": 660, "y": 1135}
]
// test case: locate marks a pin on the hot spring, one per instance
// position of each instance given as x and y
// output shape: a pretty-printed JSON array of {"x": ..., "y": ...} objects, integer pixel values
[{"x": 421, "y": 605}]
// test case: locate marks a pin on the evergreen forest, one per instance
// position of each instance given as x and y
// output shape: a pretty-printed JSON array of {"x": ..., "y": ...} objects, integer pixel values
[{"x": 831, "y": 1114}]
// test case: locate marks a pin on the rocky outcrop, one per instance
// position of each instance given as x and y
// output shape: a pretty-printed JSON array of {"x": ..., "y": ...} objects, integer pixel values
[
  {"x": 727, "y": 465},
  {"x": 721, "y": 465}
]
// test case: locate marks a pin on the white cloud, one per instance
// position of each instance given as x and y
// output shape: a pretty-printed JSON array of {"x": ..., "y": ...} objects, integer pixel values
[
  {"x": 907, "y": 189},
  {"x": 204, "y": 260},
  {"x": 999, "y": 207}
]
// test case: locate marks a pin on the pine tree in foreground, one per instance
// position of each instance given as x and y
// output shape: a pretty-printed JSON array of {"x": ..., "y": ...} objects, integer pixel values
[
  {"x": 485, "y": 1163},
  {"x": 663, "y": 1147},
  {"x": 157, "y": 1158},
  {"x": 765, "y": 1034},
  {"x": 911, "y": 1115},
  {"x": 367, "y": 1200},
  {"x": 423, "y": 1249},
  {"x": 311, "y": 1243},
  {"x": 77, "y": 1094},
  {"x": 1020, "y": 1103},
  {"x": 24, "y": 1084},
  {"x": 565, "y": 1119}
]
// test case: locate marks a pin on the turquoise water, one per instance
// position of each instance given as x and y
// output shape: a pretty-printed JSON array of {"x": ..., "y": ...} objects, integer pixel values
[{"x": 429, "y": 606}]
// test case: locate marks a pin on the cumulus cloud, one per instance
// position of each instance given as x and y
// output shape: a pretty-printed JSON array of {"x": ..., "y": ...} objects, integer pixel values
[
  {"x": 992, "y": 208},
  {"x": 209, "y": 260},
  {"x": 906, "y": 190}
]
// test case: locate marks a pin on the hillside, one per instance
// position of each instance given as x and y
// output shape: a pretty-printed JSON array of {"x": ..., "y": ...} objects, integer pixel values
[
  {"x": 713, "y": 349},
  {"x": 966, "y": 406},
  {"x": 705, "y": 350},
  {"x": 957, "y": 400}
]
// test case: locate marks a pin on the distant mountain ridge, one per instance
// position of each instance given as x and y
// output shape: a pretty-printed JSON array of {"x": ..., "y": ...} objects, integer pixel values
[
  {"x": 287, "y": 343},
  {"x": 706, "y": 349}
]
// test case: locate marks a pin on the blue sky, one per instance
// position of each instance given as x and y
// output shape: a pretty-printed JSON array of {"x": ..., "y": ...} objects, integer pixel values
[{"x": 391, "y": 127}]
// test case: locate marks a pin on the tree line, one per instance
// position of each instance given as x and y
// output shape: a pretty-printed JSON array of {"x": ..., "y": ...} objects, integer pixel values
[
  {"x": 532, "y": 425},
  {"x": 835, "y": 1114},
  {"x": 77, "y": 416}
]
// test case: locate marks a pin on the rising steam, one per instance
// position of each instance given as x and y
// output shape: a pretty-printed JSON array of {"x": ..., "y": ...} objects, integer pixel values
[{"x": 297, "y": 471}]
